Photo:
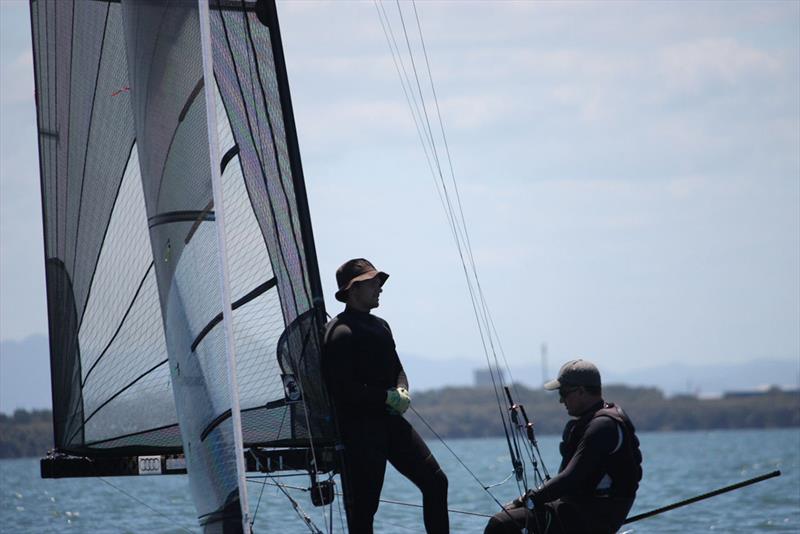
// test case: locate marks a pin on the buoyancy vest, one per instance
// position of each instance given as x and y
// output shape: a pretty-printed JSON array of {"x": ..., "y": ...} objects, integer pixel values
[{"x": 620, "y": 472}]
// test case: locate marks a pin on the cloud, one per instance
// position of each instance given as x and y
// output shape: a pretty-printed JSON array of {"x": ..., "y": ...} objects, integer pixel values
[
  {"x": 17, "y": 80},
  {"x": 696, "y": 65}
]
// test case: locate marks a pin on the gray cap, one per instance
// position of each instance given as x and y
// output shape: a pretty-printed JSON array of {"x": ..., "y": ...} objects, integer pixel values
[{"x": 576, "y": 373}]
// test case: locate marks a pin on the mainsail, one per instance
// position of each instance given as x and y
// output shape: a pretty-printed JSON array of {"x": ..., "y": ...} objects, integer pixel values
[{"x": 137, "y": 128}]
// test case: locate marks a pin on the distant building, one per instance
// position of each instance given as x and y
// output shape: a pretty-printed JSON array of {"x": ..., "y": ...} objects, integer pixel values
[{"x": 483, "y": 377}]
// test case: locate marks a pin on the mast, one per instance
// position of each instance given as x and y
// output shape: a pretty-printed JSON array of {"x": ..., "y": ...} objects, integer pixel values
[{"x": 224, "y": 277}]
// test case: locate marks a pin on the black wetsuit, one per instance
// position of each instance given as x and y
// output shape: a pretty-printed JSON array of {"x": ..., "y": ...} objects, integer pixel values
[
  {"x": 360, "y": 363},
  {"x": 596, "y": 484}
]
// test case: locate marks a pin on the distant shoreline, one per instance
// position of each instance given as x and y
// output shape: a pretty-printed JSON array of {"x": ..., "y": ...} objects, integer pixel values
[{"x": 471, "y": 412}]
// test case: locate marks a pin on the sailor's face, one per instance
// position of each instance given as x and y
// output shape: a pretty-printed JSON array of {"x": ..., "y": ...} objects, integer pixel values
[
  {"x": 572, "y": 399},
  {"x": 365, "y": 295}
]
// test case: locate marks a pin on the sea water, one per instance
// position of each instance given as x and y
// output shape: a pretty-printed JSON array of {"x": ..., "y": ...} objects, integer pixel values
[{"x": 677, "y": 465}]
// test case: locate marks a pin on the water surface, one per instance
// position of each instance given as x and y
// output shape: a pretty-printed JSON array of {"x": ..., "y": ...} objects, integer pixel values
[{"x": 677, "y": 465}]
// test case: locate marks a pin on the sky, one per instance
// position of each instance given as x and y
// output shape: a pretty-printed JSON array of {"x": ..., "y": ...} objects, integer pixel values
[{"x": 629, "y": 172}]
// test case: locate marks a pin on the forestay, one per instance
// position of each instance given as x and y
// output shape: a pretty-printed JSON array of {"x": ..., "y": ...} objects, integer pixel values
[{"x": 135, "y": 294}]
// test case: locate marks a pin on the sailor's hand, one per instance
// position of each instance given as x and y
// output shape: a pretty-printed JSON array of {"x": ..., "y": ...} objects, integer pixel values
[
  {"x": 525, "y": 500},
  {"x": 397, "y": 400}
]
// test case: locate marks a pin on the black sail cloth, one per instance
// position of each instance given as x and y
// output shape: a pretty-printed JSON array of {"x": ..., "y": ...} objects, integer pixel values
[{"x": 359, "y": 364}]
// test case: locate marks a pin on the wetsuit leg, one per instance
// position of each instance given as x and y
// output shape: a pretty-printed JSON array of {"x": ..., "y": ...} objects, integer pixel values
[
  {"x": 366, "y": 466},
  {"x": 409, "y": 454}
]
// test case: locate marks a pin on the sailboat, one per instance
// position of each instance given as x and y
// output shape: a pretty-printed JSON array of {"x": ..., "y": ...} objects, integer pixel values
[{"x": 184, "y": 299}]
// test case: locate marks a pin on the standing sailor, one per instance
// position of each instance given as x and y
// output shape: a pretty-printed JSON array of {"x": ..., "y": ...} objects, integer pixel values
[
  {"x": 370, "y": 393},
  {"x": 600, "y": 469}
]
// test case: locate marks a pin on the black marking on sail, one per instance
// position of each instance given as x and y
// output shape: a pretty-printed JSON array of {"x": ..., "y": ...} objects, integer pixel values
[
  {"x": 118, "y": 393},
  {"x": 179, "y": 216},
  {"x": 229, "y": 155},
  {"x": 119, "y": 326},
  {"x": 48, "y": 133},
  {"x": 215, "y": 423},
  {"x": 263, "y": 288},
  {"x": 229, "y": 514},
  {"x": 200, "y": 218},
  {"x": 190, "y": 100}
]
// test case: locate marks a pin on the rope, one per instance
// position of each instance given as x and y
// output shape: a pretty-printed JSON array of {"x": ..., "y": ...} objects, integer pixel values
[
  {"x": 386, "y": 501},
  {"x": 457, "y": 457},
  {"x": 172, "y": 521}
]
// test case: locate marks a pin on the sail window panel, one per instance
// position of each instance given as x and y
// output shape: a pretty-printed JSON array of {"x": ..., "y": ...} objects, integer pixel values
[
  {"x": 281, "y": 184},
  {"x": 137, "y": 346},
  {"x": 144, "y": 404},
  {"x": 210, "y": 356},
  {"x": 185, "y": 184},
  {"x": 263, "y": 426},
  {"x": 48, "y": 135},
  {"x": 196, "y": 279},
  {"x": 257, "y": 326},
  {"x": 214, "y": 459},
  {"x": 125, "y": 259},
  {"x": 81, "y": 61},
  {"x": 262, "y": 147},
  {"x": 161, "y": 439},
  {"x": 108, "y": 152},
  {"x": 61, "y": 53},
  {"x": 44, "y": 26},
  {"x": 163, "y": 45},
  {"x": 248, "y": 259}
]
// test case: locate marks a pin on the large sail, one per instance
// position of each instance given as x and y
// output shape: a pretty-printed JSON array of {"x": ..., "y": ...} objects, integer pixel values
[{"x": 131, "y": 127}]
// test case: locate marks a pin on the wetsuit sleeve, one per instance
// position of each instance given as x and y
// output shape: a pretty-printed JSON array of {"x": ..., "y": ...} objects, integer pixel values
[
  {"x": 402, "y": 379},
  {"x": 599, "y": 440},
  {"x": 344, "y": 383}
]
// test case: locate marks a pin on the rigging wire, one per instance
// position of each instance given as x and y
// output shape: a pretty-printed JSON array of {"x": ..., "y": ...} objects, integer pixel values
[
  {"x": 456, "y": 456},
  {"x": 386, "y": 501},
  {"x": 455, "y": 215},
  {"x": 456, "y": 189},
  {"x": 171, "y": 520}
]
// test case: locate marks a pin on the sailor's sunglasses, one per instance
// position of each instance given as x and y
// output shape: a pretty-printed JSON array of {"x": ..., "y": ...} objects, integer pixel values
[{"x": 563, "y": 393}]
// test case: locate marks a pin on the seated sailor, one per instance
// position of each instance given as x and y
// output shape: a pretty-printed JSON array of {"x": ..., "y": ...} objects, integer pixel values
[{"x": 600, "y": 467}]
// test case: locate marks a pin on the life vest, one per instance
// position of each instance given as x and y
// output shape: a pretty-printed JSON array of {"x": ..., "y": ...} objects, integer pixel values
[{"x": 621, "y": 470}]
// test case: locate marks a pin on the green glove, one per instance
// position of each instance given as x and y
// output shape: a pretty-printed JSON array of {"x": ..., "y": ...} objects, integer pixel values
[{"x": 397, "y": 400}]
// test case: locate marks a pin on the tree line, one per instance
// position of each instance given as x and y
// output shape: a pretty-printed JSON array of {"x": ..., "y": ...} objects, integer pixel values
[{"x": 471, "y": 412}]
